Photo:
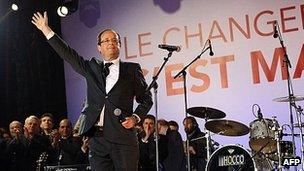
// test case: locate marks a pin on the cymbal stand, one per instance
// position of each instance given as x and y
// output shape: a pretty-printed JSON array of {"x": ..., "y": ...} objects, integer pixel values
[
  {"x": 299, "y": 112},
  {"x": 278, "y": 132},
  {"x": 154, "y": 85},
  {"x": 183, "y": 73},
  {"x": 208, "y": 142}
]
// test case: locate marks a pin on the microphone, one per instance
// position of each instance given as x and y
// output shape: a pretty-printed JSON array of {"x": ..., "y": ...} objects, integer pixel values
[
  {"x": 275, "y": 29},
  {"x": 170, "y": 48},
  {"x": 210, "y": 47},
  {"x": 260, "y": 115},
  {"x": 117, "y": 112}
]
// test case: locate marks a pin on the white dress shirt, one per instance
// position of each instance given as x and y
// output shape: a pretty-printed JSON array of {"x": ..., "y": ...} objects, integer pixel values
[{"x": 111, "y": 80}]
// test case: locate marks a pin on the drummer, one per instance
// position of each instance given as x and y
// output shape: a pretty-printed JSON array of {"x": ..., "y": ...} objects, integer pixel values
[{"x": 197, "y": 144}]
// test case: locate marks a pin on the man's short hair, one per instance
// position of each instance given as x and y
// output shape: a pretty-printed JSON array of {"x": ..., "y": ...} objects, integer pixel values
[
  {"x": 107, "y": 29},
  {"x": 31, "y": 117},
  {"x": 47, "y": 115}
]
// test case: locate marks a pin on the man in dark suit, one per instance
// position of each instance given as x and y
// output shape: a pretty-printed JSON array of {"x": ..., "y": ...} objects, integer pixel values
[{"x": 108, "y": 116}]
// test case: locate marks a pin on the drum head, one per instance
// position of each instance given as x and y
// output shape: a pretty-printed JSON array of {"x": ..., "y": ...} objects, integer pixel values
[{"x": 230, "y": 157}]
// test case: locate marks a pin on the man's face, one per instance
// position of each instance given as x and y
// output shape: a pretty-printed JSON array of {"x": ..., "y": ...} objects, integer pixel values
[
  {"x": 188, "y": 126},
  {"x": 65, "y": 128},
  {"x": 15, "y": 128},
  {"x": 46, "y": 123},
  {"x": 32, "y": 126},
  {"x": 109, "y": 46}
]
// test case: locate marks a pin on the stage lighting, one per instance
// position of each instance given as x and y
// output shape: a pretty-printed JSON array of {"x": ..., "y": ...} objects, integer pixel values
[
  {"x": 14, "y": 7},
  {"x": 67, "y": 7}
]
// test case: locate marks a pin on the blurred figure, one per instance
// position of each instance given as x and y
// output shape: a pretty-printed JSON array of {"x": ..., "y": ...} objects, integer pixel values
[
  {"x": 147, "y": 149},
  {"x": 3, "y": 157},
  {"x": 173, "y": 125},
  {"x": 175, "y": 161},
  {"x": 197, "y": 144},
  {"x": 5, "y": 134},
  {"x": 70, "y": 150}
]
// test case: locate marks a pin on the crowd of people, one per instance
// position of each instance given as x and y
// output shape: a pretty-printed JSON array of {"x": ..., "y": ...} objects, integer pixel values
[{"x": 37, "y": 143}]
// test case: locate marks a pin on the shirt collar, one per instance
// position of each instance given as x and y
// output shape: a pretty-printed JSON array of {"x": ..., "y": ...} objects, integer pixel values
[{"x": 115, "y": 61}]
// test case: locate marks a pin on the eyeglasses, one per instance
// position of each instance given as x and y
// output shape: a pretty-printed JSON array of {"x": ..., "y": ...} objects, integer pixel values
[{"x": 108, "y": 41}]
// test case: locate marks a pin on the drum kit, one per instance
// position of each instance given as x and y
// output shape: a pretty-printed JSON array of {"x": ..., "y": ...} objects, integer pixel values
[{"x": 265, "y": 140}]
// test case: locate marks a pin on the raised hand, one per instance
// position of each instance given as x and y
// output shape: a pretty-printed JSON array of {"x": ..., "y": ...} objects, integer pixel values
[{"x": 41, "y": 22}]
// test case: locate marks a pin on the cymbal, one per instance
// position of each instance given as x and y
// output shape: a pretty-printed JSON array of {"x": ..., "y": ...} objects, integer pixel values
[
  {"x": 287, "y": 99},
  {"x": 206, "y": 112},
  {"x": 227, "y": 127}
]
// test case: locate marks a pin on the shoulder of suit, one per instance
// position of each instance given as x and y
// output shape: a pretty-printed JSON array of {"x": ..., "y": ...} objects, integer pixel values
[
  {"x": 130, "y": 64},
  {"x": 95, "y": 60}
]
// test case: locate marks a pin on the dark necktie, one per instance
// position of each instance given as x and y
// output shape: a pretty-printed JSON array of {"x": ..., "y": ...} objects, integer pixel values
[{"x": 106, "y": 70}]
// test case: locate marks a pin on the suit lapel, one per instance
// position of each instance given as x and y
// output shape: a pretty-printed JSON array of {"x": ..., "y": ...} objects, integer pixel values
[
  {"x": 102, "y": 79},
  {"x": 122, "y": 72}
]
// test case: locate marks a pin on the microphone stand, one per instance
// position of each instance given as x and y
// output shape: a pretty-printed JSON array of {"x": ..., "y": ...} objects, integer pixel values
[
  {"x": 291, "y": 98},
  {"x": 154, "y": 85},
  {"x": 184, "y": 73}
]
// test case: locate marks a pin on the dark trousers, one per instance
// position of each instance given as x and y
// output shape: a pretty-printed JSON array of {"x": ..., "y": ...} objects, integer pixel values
[{"x": 108, "y": 156}]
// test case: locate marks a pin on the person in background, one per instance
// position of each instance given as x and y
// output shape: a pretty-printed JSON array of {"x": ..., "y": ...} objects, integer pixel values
[
  {"x": 112, "y": 86},
  {"x": 5, "y": 134},
  {"x": 3, "y": 156},
  {"x": 70, "y": 150},
  {"x": 197, "y": 144},
  {"x": 173, "y": 125},
  {"x": 47, "y": 123},
  {"x": 24, "y": 150},
  {"x": 15, "y": 128},
  {"x": 147, "y": 159},
  {"x": 175, "y": 161}
]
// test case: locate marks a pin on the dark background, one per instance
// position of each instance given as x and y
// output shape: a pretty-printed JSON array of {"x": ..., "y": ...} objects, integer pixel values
[{"x": 31, "y": 73}]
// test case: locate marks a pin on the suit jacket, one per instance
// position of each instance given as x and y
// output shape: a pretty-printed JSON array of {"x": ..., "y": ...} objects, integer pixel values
[
  {"x": 70, "y": 151},
  {"x": 198, "y": 142},
  {"x": 147, "y": 155},
  {"x": 130, "y": 84},
  {"x": 23, "y": 154},
  {"x": 176, "y": 156}
]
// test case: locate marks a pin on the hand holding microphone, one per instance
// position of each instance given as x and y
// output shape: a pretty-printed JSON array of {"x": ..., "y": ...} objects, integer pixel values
[{"x": 127, "y": 122}]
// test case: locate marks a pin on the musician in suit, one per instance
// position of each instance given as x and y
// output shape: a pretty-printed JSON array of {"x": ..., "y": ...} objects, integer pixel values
[{"x": 108, "y": 116}]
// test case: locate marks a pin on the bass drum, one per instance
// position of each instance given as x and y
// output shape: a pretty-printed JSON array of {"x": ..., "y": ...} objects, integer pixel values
[{"x": 231, "y": 158}]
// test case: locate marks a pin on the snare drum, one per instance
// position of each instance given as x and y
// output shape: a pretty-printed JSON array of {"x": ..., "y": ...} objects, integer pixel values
[
  {"x": 262, "y": 137},
  {"x": 230, "y": 157}
]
